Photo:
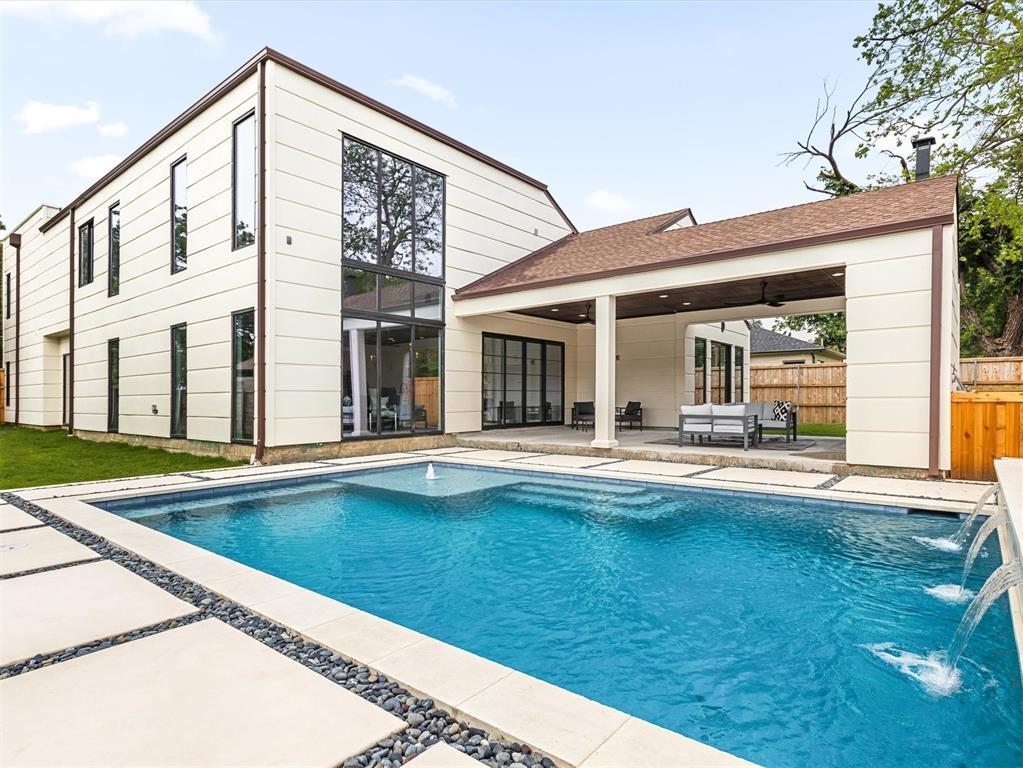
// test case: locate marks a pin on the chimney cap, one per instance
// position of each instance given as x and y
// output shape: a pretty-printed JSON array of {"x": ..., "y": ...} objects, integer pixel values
[
  {"x": 14, "y": 239},
  {"x": 925, "y": 141}
]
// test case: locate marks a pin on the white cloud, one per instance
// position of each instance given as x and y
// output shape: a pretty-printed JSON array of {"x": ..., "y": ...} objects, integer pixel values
[
  {"x": 112, "y": 130},
  {"x": 127, "y": 19},
  {"x": 425, "y": 87},
  {"x": 93, "y": 167},
  {"x": 40, "y": 117},
  {"x": 606, "y": 201}
]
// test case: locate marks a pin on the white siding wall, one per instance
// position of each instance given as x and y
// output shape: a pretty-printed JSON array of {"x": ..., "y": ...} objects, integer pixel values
[
  {"x": 492, "y": 218},
  {"x": 44, "y": 319},
  {"x": 217, "y": 282}
]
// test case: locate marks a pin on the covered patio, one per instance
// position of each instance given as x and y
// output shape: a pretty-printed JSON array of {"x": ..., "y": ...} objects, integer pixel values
[{"x": 634, "y": 293}]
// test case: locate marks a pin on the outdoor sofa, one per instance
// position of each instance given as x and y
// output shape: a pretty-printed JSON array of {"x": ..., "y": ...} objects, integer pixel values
[
  {"x": 778, "y": 414},
  {"x": 707, "y": 420}
]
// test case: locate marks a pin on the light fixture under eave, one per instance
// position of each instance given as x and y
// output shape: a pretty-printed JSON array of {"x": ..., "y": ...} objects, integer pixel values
[
  {"x": 663, "y": 296},
  {"x": 686, "y": 303},
  {"x": 837, "y": 274},
  {"x": 554, "y": 309}
]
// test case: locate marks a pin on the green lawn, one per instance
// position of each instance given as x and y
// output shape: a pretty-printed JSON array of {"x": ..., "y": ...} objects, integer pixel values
[
  {"x": 32, "y": 457},
  {"x": 814, "y": 430}
]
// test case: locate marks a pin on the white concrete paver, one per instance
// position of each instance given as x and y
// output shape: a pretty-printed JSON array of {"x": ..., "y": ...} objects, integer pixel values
[
  {"x": 367, "y": 459},
  {"x": 105, "y": 486},
  {"x": 557, "y": 722},
  {"x": 441, "y": 452},
  {"x": 639, "y": 743},
  {"x": 53, "y": 610},
  {"x": 233, "y": 580},
  {"x": 256, "y": 471},
  {"x": 488, "y": 454},
  {"x": 200, "y": 695},
  {"x": 442, "y": 755},
  {"x": 12, "y": 517},
  {"x": 301, "y": 609},
  {"x": 39, "y": 548},
  {"x": 559, "y": 460},
  {"x": 665, "y": 468},
  {"x": 768, "y": 476},
  {"x": 363, "y": 637},
  {"x": 928, "y": 489}
]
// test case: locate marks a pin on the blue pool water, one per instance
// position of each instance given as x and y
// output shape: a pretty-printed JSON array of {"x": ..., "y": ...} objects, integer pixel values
[{"x": 788, "y": 633}]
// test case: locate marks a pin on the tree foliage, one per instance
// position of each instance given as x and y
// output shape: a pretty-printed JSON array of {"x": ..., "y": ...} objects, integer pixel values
[
  {"x": 952, "y": 69},
  {"x": 828, "y": 329}
]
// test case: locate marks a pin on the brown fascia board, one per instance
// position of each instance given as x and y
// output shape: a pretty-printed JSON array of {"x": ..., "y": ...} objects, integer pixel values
[
  {"x": 248, "y": 69},
  {"x": 734, "y": 253}
]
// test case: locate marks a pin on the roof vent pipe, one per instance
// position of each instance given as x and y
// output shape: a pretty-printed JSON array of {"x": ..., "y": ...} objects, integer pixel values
[{"x": 923, "y": 156}]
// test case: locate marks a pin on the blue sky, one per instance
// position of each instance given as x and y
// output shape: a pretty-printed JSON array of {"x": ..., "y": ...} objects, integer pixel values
[{"x": 625, "y": 110}]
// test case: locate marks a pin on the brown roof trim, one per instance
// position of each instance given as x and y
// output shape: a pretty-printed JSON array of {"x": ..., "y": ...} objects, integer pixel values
[
  {"x": 248, "y": 69},
  {"x": 734, "y": 253}
]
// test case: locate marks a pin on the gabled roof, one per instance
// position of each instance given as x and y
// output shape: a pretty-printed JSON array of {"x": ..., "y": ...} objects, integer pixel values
[
  {"x": 762, "y": 341},
  {"x": 650, "y": 243}
]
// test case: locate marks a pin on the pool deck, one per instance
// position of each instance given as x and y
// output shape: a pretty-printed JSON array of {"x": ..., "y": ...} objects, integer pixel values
[{"x": 120, "y": 655}]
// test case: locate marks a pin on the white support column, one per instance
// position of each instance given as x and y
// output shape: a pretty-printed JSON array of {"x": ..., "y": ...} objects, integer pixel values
[{"x": 604, "y": 381}]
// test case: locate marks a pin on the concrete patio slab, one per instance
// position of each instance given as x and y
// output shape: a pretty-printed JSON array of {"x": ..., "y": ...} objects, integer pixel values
[
  {"x": 557, "y": 722},
  {"x": 561, "y": 460},
  {"x": 639, "y": 743},
  {"x": 441, "y": 452},
  {"x": 302, "y": 609},
  {"x": 53, "y": 610},
  {"x": 488, "y": 454},
  {"x": 363, "y": 637},
  {"x": 105, "y": 486},
  {"x": 268, "y": 469},
  {"x": 666, "y": 468},
  {"x": 443, "y": 755},
  {"x": 928, "y": 489},
  {"x": 440, "y": 671},
  {"x": 768, "y": 476},
  {"x": 39, "y": 548},
  {"x": 232, "y": 579},
  {"x": 12, "y": 517},
  {"x": 200, "y": 695},
  {"x": 366, "y": 459}
]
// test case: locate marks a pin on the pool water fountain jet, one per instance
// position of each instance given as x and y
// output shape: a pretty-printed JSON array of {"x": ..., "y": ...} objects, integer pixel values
[
  {"x": 431, "y": 473},
  {"x": 989, "y": 527},
  {"x": 1005, "y": 577},
  {"x": 955, "y": 542}
]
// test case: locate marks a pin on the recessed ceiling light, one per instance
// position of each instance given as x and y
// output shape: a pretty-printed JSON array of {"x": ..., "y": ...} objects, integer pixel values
[
  {"x": 686, "y": 303},
  {"x": 554, "y": 309},
  {"x": 837, "y": 274},
  {"x": 664, "y": 295},
  {"x": 582, "y": 315}
]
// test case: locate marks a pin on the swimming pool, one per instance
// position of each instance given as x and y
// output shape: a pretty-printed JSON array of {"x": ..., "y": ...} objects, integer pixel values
[{"x": 775, "y": 628}]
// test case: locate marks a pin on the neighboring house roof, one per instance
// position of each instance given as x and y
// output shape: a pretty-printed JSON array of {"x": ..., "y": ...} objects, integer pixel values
[
  {"x": 763, "y": 342},
  {"x": 246, "y": 70},
  {"x": 651, "y": 243}
]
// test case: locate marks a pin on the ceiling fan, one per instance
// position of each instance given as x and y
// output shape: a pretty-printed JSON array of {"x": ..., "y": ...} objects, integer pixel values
[{"x": 774, "y": 301}]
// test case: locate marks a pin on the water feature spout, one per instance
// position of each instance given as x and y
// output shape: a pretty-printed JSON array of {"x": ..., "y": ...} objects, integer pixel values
[
  {"x": 989, "y": 527},
  {"x": 964, "y": 529},
  {"x": 1005, "y": 577},
  {"x": 431, "y": 474}
]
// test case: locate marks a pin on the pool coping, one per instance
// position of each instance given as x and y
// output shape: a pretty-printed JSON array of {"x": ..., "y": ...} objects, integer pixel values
[{"x": 573, "y": 730}]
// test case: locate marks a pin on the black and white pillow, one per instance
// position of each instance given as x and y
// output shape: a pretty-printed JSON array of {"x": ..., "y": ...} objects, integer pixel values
[{"x": 781, "y": 409}]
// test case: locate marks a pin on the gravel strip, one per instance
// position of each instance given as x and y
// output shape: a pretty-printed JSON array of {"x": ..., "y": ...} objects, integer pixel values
[
  {"x": 830, "y": 482},
  {"x": 428, "y": 724}
]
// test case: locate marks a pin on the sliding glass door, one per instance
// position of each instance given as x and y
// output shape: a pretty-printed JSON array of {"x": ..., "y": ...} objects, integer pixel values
[{"x": 523, "y": 381}]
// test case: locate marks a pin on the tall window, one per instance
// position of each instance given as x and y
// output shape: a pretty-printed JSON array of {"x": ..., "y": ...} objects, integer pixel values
[
  {"x": 739, "y": 376},
  {"x": 7, "y": 295},
  {"x": 700, "y": 369},
  {"x": 392, "y": 301},
  {"x": 179, "y": 381},
  {"x": 85, "y": 254},
  {"x": 114, "y": 249},
  {"x": 113, "y": 384},
  {"x": 179, "y": 216},
  {"x": 243, "y": 359},
  {"x": 243, "y": 182},
  {"x": 523, "y": 381},
  {"x": 720, "y": 373},
  {"x": 8, "y": 384}
]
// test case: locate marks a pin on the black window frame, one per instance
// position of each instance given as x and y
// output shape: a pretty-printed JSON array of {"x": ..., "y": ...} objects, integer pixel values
[
  {"x": 700, "y": 370},
  {"x": 7, "y": 296},
  {"x": 7, "y": 384},
  {"x": 113, "y": 250},
  {"x": 739, "y": 373},
  {"x": 251, "y": 114},
  {"x": 174, "y": 268},
  {"x": 178, "y": 430},
  {"x": 89, "y": 259},
  {"x": 113, "y": 385},
  {"x": 544, "y": 343},
  {"x": 234, "y": 376}
]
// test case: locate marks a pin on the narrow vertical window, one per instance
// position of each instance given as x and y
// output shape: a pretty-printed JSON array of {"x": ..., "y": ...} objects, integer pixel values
[
  {"x": 113, "y": 383},
  {"x": 740, "y": 374},
  {"x": 243, "y": 182},
  {"x": 7, "y": 295},
  {"x": 114, "y": 250},
  {"x": 85, "y": 254},
  {"x": 179, "y": 216},
  {"x": 179, "y": 381},
  {"x": 7, "y": 383},
  {"x": 243, "y": 391},
  {"x": 700, "y": 370}
]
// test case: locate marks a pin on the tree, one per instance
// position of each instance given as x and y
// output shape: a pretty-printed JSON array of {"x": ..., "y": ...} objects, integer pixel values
[
  {"x": 828, "y": 329},
  {"x": 954, "y": 69}
]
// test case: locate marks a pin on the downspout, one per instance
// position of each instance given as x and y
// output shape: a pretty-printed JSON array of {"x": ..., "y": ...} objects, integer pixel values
[
  {"x": 937, "y": 273},
  {"x": 261, "y": 272},
  {"x": 15, "y": 241},
  {"x": 71, "y": 328}
]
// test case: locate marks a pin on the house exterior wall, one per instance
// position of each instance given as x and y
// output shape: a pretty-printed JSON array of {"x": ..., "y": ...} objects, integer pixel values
[
  {"x": 492, "y": 218},
  {"x": 44, "y": 320},
  {"x": 790, "y": 358}
]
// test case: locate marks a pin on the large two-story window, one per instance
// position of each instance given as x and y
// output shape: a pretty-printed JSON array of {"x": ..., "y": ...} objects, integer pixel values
[
  {"x": 85, "y": 254},
  {"x": 114, "y": 250},
  {"x": 243, "y": 183},
  {"x": 179, "y": 215},
  {"x": 392, "y": 301}
]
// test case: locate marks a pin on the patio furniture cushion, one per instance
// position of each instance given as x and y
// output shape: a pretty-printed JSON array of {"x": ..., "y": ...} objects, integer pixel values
[
  {"x": 780, "y": 411},
  {"x": 696, "y": 414}
]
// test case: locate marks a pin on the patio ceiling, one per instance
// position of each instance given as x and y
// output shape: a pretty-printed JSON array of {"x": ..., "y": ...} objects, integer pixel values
[{"x": 790, "y": 287}]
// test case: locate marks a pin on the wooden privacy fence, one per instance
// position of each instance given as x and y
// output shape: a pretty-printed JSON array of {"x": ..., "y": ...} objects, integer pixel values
[
  {"x": 818, "y": 390},
  {"x": 992, "y": 374},
  {"x": 985, "y": 426}
]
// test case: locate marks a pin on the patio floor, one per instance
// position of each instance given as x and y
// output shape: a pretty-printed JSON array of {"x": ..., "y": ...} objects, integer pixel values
[{"x": 808, "y": 454}]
